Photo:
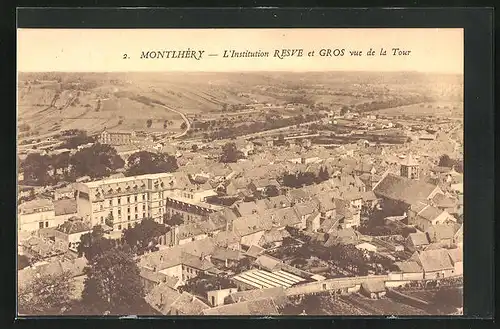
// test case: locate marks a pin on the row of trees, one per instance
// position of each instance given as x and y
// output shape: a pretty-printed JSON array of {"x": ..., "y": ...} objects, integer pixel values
[
  {"x": 301, "y": 179},
  {"x": 259, "y": 126},
  {"x": 96, "y": 161}
]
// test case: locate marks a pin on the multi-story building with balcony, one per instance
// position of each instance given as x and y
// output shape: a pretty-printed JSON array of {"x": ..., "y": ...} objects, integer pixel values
[{"x": 123, "y": 202}]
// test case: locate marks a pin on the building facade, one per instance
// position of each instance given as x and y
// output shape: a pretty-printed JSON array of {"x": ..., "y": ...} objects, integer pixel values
[
  {"x": 36, "y": 214},
  {"x": 123, "y": 202},
  {"x": 116, "y": 137}
]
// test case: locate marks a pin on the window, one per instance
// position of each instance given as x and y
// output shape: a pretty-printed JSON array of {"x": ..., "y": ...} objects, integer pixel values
[
  {"x": 128, "y": 199},
  {"x": 129, "y": 226},
  {"x": 128, "y": 217},
  {"x": 143, "y": 207},
  {"x": 120, "y": 227},
  {"x": 135, "y": 209},
  {"x": 46, "y": 224},
  {"x": 119, "y": 201},
  {"x": 102, "y": 219},
  {"x": 143, "y": 215},
  {"x": 324, "y": 286},
  {"x": 100, "y": 206},
  {"x": 213, "y": 301},
  {"x": 119, "y": 211},
  {"x": 110, "y": 203},
  {"x": 136, "y": 198},
  {"x": 128, "y": 209},
  {"x": 40, "y": 225},
  {"x": 136, "y": 216}
]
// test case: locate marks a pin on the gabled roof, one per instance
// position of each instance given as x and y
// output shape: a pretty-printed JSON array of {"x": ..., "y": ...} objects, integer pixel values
[
  {"x": 441, "y": 232},
  {"x": 74, "y": 225},
  {"x": 224, "y": 254},
  {"x": 65, "y": 207},
  {"x": 409, "y": 267},
  {"x": 403, "y": 189},
  {"x": 187, "y": 304},
  {"x": 278, "y": 202},
  {"x": 278, "y": 294},
  {"x": 226, "y": 238},
  {"x": 31, "y": 206},
  {"x": 254, "y": 251},
  {"x": 161, "y": 297},
  {"x": 373, "y": 286},
  {"x": 409, "y": 161},
  {"x": 456, "y": 255},
  {"x": 273, "y": 235},
  {"x": 435, "y": 260},
  {"x": 264, "y": 306},
  {"x": 418, "y": 239},
  {"x": 267, "y": 262}
]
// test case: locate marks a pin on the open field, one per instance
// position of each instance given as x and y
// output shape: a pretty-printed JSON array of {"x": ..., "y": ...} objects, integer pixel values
[
  {"x": 438, "y": 109},
  {"x": 91, "y": 101}
]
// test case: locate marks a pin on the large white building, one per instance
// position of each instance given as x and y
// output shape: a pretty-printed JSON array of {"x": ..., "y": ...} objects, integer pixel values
[{"x": 130, "y": 199}]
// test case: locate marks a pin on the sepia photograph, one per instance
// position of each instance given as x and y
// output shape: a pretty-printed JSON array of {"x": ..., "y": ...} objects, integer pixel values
[{"x": 252, "y": 172}]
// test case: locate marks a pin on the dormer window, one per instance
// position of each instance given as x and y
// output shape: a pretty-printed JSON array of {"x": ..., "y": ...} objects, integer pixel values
[
  {"x": 118, "y": 190},
  {"x": 127, "y": 188}
]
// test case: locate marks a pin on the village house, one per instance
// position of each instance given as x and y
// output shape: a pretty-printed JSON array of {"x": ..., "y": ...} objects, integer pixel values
[
  {"x": 36, "y": 214},
  {"x": 408, "y": 270},
  {"x": 278, "y": 294},
  {"x": 151, "y": 279},
  {"x": 161, "y": 297},
  {"x": 373, "y": 289},
  {"x": 115, "y": 137},
  {"x": 264, "y": 306},
  {"x": 424, "y": 216},
  {"x": 436, "y": 263},
  {"x": 442, "y": 233},
  {"x": 225, "y": 257},
  {"x": 187, "y": 304},
  {"x": 217, "y": 297},
  {"x": 416, "y": 241},
  {"x": 260, "y": 185},
  {"x": 71, "y": 231}
]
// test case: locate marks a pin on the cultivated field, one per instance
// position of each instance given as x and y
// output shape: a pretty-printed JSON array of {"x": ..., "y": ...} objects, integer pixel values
[{"x": 51, "y": 102}]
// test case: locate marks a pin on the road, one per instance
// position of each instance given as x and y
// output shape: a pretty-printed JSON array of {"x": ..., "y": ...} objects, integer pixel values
[{"x": 188, "y": 124}]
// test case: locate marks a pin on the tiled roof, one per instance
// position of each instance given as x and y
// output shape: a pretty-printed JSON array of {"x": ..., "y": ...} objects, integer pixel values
[
  {"x": 268, "y": 262},
  {"x": 254, "y": 251},
  {"x": 277, "y": 202},
  {"x": 223, "y": 254},
  {"x": 226, "y": 238},
  {"x": 456, "y": 255},
  {"x": 276, "y": 293},
  {"x": 65, "y": 207},
  {"x": 273, "y": 235},
  {"x": 403, "y": 189},
  {"x": 161, "y": 297},
  {"x": 74, "y": 225},
  {"x": 264, "y": 306},
  {"x": 373, "y": 286},
  {"x": 409, "y": 267},
  {"x": 418, "y": 239},
  {"x": 31, "y": 206},
  {"x": 441, "y": 232},
  {"x": 435, "y": 260},
  {"x": 187, "y": 304}
]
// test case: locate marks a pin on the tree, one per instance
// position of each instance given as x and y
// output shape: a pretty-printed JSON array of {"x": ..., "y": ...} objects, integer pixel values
[
  {"x": 272, "y": 191},
  {"x": 96, "y": 161},
  {"x": 93, "y": 243},
  {"x": 60, "y": 161},
  {"x": 445, "y": 161},
  {"x": 109, "y": 219},
  {"x": 323, "y": 174},
  {"x": 112, "y": 284},
  {"x": 48, "y": 294},
  {"x": 204, "y": 283},
  {"x": 36, "y": 167},
  {"x": 194, "y": 148},
  {"x": 76, "y": 138},
  {"x": 22, "y": 262},
  {"x": 344, "y": 110},
  {"x": 144, "y": 162},
  {"x": 183, "y": 125},
  {"x": 230, "y": 153},
  {"x": 144, "y": 236},
  {"x": 149, "y": 123},
  {"x": 173, "y": 220}
]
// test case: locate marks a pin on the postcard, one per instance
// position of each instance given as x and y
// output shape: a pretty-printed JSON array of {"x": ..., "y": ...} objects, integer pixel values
[{"x": 256, "y": 172}]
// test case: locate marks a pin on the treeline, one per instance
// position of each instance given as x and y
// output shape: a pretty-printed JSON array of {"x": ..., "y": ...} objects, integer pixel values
[
  {"x": 255, "y": 127},
  {"x": 390, "y": 103},
  {"x": 301, "y": 179}
]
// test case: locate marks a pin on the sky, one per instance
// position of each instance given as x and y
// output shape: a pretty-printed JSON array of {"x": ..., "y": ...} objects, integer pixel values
[{"x": 95, "y": 50}]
